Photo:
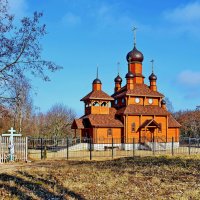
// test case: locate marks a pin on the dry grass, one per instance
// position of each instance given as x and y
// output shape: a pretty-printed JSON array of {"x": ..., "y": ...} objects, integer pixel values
[{"x": 123, "y": 178}]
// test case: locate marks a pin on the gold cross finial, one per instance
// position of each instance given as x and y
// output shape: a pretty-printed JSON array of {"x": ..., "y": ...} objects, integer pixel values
[
  {"x": 152, "y": 61},
  {"x": 134, "y": 35}
]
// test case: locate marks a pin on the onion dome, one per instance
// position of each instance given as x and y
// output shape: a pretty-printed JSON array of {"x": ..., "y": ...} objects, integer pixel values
[
  {"x": 129, "y": 75},
  {"x": 152, "y": 77},
  {"x": 134, "y": 56},
  {"x": 163, "y": 102},
  {"x": 97, "y": 81},
  {"x": 118, "y": 79}
]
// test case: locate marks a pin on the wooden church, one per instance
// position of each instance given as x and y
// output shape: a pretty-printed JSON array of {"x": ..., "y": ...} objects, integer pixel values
[{"x": 135, "y": 111}]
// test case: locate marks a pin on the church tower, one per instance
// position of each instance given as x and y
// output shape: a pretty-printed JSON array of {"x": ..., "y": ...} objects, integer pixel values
[
  {"x": 96, "y": 85},
  {"x": 152, "y": 79},
  {"x": 134, "y": 59},
  {"x": 118, "y": 81},
  {"x": 97, "y": 101}
]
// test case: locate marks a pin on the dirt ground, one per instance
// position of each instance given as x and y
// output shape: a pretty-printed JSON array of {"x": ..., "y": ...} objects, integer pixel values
[{"x": 154, "y": 178}]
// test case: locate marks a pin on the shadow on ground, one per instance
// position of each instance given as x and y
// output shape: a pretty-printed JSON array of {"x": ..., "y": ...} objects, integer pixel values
[{"x": 35, "y": 187}]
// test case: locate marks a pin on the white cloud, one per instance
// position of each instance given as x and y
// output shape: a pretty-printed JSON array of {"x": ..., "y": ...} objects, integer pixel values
[
  {"x": 71, "y": 19},
  {"x": 189, "y": 13},
  {"x": 189, "y": 78},
  {"x": 18, "y": 7}
]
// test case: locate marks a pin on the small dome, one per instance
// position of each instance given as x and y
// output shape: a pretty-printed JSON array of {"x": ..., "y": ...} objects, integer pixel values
[
  {"x": 118, "y": 79},
  {"x": 134, "y": 56},
  {"x": 152, "y": 77},
  {"x": 163, "y": 102},
  {"x": 96, "y": 81},
  {"x": 129, "y": 75}
]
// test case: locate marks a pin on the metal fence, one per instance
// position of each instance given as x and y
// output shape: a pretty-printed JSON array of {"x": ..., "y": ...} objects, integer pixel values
[
  {"x": 86, "y": 148},
  {"x": 20, "y": 149}
]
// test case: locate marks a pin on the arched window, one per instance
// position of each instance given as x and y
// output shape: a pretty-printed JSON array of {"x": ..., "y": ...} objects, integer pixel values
[
  {"x": 104, "y": 104},
  {"x": 116, "y": 101},
  {"x": 109, "y": 132},
  {"x": 96, "y": 103},
  {"x": 133, "y": 127},
  {"x": 123, "y": 100}
]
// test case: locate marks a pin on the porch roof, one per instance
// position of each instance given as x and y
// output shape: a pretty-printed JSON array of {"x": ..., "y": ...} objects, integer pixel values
[{"x": 149, "y": 123}]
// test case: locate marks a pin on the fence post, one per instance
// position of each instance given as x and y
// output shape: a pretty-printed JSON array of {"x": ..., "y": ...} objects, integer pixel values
[
  {"x": 26, "y": 150},
  {"x": 189, "y": 147},
  {"x": 41, "y": 146},
  {"x": 153, "y": 145},
  {"x": 67, "y": 148},
  {"x": 112, "y": 149},
  {"x": 133, "y": 147},
  {"x": 172, "y": 146},
  {"x": 90, "y": 148}
]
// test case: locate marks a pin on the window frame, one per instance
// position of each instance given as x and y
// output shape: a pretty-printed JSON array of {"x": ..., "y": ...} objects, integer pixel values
[
  {"x": 109, "y": 132},
  {"x": 133, "y": 127}
]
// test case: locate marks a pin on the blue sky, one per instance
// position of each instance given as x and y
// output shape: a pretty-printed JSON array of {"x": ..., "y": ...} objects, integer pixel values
[{"x": 84, "y": 33}]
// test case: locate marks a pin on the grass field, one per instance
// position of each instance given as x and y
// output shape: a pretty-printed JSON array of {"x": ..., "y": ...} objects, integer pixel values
[{"x": 123, "y": 178}]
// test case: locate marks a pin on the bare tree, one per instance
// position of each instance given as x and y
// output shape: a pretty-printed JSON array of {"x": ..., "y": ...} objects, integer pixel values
[
  {"x": 190, "y": 122},
  {"x": 21, "y": 105},
  {"x": 59, "y": 120},
  {"x": 169, "y": 105},
  {"x": 20, "y": 49}
]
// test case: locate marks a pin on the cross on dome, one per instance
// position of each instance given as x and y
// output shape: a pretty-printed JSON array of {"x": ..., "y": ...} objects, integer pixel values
[
  {"x": 134, "y": 35},
  {"x": 152, "y": 61},
  {"x": 118, "y": 65}
]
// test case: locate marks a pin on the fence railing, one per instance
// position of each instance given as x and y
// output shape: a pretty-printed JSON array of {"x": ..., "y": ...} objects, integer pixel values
[
  {"x": 88, "y": 148},
  {"x": 20, "y": 149}
]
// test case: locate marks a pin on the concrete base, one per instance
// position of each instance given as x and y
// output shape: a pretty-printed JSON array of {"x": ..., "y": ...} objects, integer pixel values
[{"x": 123, "y": 146}]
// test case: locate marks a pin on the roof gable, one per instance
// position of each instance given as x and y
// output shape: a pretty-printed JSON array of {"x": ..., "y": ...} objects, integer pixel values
[
  {"x": 97, "y": 95},
  {"x": 139, "y": 90},
  {"x": 142, "y": 110},
  {"x": 172, "y": 123}
]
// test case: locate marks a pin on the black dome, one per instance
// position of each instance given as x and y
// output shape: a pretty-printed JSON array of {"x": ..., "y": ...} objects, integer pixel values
[
  {"x": 134, "y": 56},
  {"x": 96, "y": 81},
  {"x": 152, "y": 77},
  {"x": 129, "y": 75},
  {"x": 118, "y": 79},
  {"x": 163, "y": 102}
]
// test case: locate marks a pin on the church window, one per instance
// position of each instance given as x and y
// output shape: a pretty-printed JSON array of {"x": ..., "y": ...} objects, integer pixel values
[
  {"x": 116, "y": 101},
  {"x": 137, "y": 100},
  {"x": 104, "y": 104},
  {"x": 160, "y": 128},
  {"x": 133, "y": 127},
  {"x": 109, "y": 132},
  {"x": 123, "y": 100},
  {"x": 95, "y": 103},
  {"x": 150, "y": 101}
]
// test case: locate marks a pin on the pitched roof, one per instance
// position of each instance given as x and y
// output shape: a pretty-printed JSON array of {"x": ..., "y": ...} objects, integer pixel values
[
  {"x": 139, "y": 90},
  {"x": 172, "y": 123},
  {"x": 97, "y": 94},
  {"x": 149, "y": 123},
  {"x": 142, "y": 110},
  {"x": 100, "y": 120},
  {"x": 77, "y": 124}
]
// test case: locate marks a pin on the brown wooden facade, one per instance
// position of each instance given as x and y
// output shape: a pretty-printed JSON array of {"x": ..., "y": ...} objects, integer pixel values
[{"x": 135, "y": 111}]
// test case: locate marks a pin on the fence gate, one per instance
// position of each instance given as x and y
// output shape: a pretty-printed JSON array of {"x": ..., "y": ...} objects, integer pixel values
[{"x": 20, "y": 148}]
